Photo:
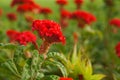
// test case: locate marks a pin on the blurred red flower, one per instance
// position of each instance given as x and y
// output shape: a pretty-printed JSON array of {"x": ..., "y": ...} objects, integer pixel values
[
  {"x": 78, "y": 2},
  {"x": 63, "y": 78},
  {"x": 115, "y": 22},
  {"x": 118, "y": 49},
  {"x": 83, "y": 17},
  {"x": 49, "y": 31},
  {"x": 25, "y": 37},
  {"x": 62, "y": 2},
  {"x": 17, "y": 2},
  {"x": 45, "y": 10},
  {"x": 12, "y": 16},
  {"x": 12, "y": 34},
  {"x": 65, "y": 14},
  {"x": 27, "y": 7}
]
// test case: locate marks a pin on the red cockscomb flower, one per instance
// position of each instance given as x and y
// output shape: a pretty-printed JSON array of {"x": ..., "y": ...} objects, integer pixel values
[
  {"x": 27, "y": 7},
  {"x": 118, "y": 49},
  {"x": 17, "y": 2},
  {"x": 45, "y": 10},
  {"x": 63, "y": 78},
  {"x": 12, "y": 16},
  {"x": 26, "y": 37},
  {"x": 12, "y": 34},
  {"x": 78, "y": 2},
  {"x": 83, "y": 17},
  {"x": 65, "y": 14},
  {"x": 115, "y": 22},
  {"x": 49, "y": 31},
  {"x": 61, "y": 2}
]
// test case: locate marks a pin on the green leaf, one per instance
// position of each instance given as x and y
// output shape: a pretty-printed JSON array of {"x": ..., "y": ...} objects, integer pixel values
[
  {"x": 59, "y": 65},
  {"x": 97, "y": 77},
  {"x": 50, "y": 77}
]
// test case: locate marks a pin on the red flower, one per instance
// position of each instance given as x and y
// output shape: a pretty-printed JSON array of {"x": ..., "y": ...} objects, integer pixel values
[
  {"x": 65, "y": 14},
  {"x": 27, "y": 7},
  {"x": 49, "y": 31},
  {"x": 12, "y": 34},
  {"x": 61, "y": 2},
  {"x": 17, "y": 2},
  {"x": 0, "y": 11},
  {"x": 12, "y": 16},
  {"x": 88, "y": 18},
  {"x": 78, "y": 2},
  {"x": 115, "y": 22},
  {"x": 25, "y": 37},
  {"x": 45, "y": 10},
  {"x": 118, "y": 49},
  {"x": 62, "y": 78}
]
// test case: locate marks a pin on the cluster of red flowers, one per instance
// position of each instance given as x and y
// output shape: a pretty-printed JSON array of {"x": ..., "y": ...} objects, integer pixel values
[
  {"x": 115, "y": 22},
  {"x": 88, "y": 18},
  {"x": 21, "y": 37},
  {"x": 45, "y": 10},
  {"x": 83, "y": 17},
  {"x": 49, "y": 31},
  {"x": 28, "y": 7},
  {"x": 61, "y": 2},
  {"x": 63, "y": 78},
  {"x": 118, "y": 49},
  {"x": 18, "y": 2},
  {"x": 12, "y": 16}
]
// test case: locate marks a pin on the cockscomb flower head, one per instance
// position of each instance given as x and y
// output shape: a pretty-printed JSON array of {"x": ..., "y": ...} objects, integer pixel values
[
  {"x": 83, "y": 17},
  {"x": 78, "y": 2},
  {"x": 117, "y": 48},
  {"x": 27, "y": 7},
  {"x": 45, "y": 10},
  {"x": 63, "y": 78},
  {"x": 49, "y": 31},
  {"x": 19, "y": 2},
  {"x": 115, "y": 22},
  {"x": 26, "y": 37},
  {"x": 65, "y": 14},
  {"x": 12, "y": 34},
  {"x": 61, "y": 2},
  {"x": 12, "y": 16}
]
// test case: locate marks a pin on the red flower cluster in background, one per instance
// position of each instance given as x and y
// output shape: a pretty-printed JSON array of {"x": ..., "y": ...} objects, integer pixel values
[
  {"x": 26, "y": 37},
  {"x": 45, "y": 10},
  {"x": 62, "y": 2},
  {"x": 21, "y": 37},
  {"x": 12, "y": 34},
  {"x": 19, "y": 2},
  {"x": 118, "y": 49},
  {"x": 27, "y": 7},
  {"x": 115, "y": 22},
  {"x": 83, "y": 17},
  {"x": 65, "y": 14},
  {"x": 78, "y": 3},
  {"x": 49, "y": 31},
  {"x": 12, "y": 16},
  {"x": 63, "y": 78}
]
